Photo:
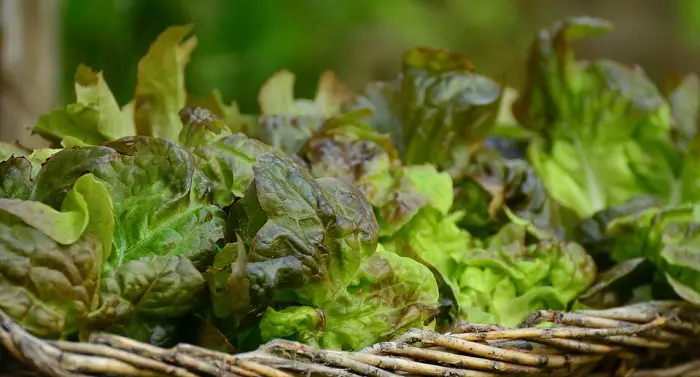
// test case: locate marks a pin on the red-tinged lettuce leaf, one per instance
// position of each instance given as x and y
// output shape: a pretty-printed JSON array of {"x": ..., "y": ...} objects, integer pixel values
[
  {"x": 51, "y": 261},
  {"x": 230, "y": 114},
  {"x": 162, "y": 202},
  {"x": 225, "y": 158},
  {"x": 602, "y": 127},
  {"x": 438, "y": 102},
  {"x": 488, "y": 184},
  {"x": 160, "y": 88},
  {"x": 388, "y": 295},
  {"x": 308, "y": 242},
  {"x": 348, "y": 149},
  {"x": 327, "y": 226},
  {"x": 93, "y": 119}
]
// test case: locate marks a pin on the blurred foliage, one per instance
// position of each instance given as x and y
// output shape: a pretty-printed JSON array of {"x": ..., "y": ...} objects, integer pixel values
[{"x": 241, "y": 43}]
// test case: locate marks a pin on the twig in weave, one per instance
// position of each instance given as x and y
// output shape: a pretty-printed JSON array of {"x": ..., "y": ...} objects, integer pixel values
[
  {"x": 562, "y": 332},
  {"x": 133, "y": 359},
  {"x": 645, "y": 312},
  {"x": 452, "y": 359},
  {"x": 494, "y": 353},
  {"x": 157, "y": 353},
  {"x": 56, "y": 363},
  {"x": 301, "y": 367},
  {"x": 592, "y": 322},
  {"x": 327, "y": 357},
  {"x": 232, "y": 360}
]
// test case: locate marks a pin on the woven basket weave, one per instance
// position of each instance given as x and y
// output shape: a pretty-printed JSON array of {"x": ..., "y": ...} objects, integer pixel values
[{"x": 625, "y": 341}]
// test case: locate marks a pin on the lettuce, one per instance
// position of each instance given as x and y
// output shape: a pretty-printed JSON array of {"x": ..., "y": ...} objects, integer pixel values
[
  {"x": 325, "y": 230},
  {"x": 598, "y": 124},
  {"x": 51, "y": 260},
  {"x": 666, "y": 237}
]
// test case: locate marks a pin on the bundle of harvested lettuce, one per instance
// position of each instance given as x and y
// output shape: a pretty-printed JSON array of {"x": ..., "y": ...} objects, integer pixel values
[{"x": 437, "y": 197}]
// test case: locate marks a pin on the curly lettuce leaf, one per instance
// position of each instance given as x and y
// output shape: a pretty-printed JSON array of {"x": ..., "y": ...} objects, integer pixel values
[
  {"x": 225, "y": 158},
  {"x": 321, "y": 232},
  {"x": 93, "y": 119},
  {"x": 438, "y": 102},
  {"x": 601, "y": 125},
  {"x": 162, "y": 202},
  {"x": 512, "y": 277},
  {"x": 160, "y": 88},
  {"x": 388, "y": 295},
  {"x": 51, "y": 261}
]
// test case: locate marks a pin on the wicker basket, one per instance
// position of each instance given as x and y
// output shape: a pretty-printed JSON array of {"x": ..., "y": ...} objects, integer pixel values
[{"x": 625, "y": 341}]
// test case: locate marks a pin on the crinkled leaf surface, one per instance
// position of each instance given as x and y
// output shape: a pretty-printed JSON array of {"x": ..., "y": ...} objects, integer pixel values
[
  {"x": 326, "y": 229},
  {"x": 162, "y": 202},
  {"x": 511, "y": 278},
  {"x": 151, "y": 287},
  {"x": 323, "y": 224},
  {"x": 436, "y": 241},
  {"x": 51, "y": 261},
  {"x": 93, "y": 119},
  {"x": 225, "y": 158},
  {"x": 387, "y": 295}
]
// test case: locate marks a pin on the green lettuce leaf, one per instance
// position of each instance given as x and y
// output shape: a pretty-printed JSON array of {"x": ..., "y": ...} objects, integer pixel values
[
  {"x": 225, "y": 158},
  {"x": 510, "y": 278},
  {"x": 160, "y": 88},
  {"x": 602, "y": 127},
  {"x": 162, "y": 202},
  {"x": 308, "y": 240},
  {"x": 93, "y": 119},
  {"x": 51, "y": 261},
  {"x": 667, "y": 237},
  {"x": 388, "y": 295},
  {"x": 437, "y": 242}
]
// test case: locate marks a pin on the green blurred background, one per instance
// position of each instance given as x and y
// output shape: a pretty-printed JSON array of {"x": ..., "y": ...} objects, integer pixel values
[{"x": 242, "y": 42}]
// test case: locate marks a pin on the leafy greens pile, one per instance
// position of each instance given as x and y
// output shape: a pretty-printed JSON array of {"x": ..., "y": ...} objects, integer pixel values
[{"x": 344, "y": 220}]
